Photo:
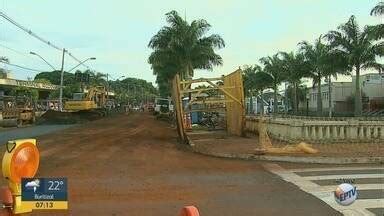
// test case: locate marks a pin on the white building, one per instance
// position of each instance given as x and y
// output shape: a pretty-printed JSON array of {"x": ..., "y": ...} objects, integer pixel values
[{"x": 342, "y": 93}]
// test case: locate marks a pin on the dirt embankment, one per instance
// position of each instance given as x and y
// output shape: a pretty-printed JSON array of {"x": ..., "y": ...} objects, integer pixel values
[{"x": 56, "y": 117}]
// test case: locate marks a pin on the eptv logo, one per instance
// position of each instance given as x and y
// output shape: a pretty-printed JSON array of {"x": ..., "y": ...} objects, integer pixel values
[{"x": 345, "y": 194}]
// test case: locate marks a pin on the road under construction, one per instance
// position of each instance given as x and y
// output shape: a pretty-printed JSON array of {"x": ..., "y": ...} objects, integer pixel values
[{"x": 134, "y": 165}]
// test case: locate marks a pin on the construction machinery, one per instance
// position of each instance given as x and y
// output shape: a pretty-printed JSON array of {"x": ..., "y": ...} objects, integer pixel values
[
  {"x": 94, "y": 98},
  {"x": 16, "y": 111}
]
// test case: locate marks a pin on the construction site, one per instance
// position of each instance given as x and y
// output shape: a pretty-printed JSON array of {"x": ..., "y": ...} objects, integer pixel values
[
  {"x": 133, "y": 161},
  {"x": 156, "y": 123}
]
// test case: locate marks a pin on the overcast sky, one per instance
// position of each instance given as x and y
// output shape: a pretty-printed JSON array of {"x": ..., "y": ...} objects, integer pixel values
[{"x": 117, "y": 32}]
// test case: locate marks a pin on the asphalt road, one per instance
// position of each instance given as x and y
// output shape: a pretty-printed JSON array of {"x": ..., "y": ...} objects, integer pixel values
[
  {"x": 322, "y": 180},
  {"x": 29, "y": 132}
]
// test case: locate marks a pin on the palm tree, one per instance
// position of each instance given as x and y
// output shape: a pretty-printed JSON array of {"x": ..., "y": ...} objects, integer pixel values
[
  {"x": 184, "y": 46},
  {"x": 317, "y": 58},
  {"x": 378, "y": 9},
  {"x": 360, "y": 48},
  {"x": 273, "y": 66},
  {"x": 336, "y": 65},
  {"x": 295, "y": 67},
  {"x": 262, "y": 81},
  {"x": 249, "y": 73},
  {"x": 249, "y": 85}
]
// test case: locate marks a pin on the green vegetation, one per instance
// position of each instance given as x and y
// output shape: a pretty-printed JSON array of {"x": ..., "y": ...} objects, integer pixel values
[
  {"x": 133, "y": 91},
  {"x": 129, "y": 90},
  {"x": 378, "y": 9},
  {"x": 180, "y": 48},
  {"x": 360, "y": 49},
  {"x": 343, "y": 51}
]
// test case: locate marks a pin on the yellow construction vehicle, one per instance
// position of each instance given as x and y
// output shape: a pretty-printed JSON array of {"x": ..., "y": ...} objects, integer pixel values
[
  {"x": 94, "y": 98},
  {"x": 16, "y": 111}
]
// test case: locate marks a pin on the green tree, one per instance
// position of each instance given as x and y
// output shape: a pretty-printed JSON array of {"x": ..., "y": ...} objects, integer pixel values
[
  {"x": 273, "y": 66},
  {"x": 317, "y": 57},
  {"x": 378, "y": 9},
  {"x": 360, "y": 48},
  {"x": 54, "y": 77},
  {"x": 336, "y": 64},
  {"x": 262, "y": 81},
  {"x": 4, "y": 59},
  {"x": 249, "y": 73},
  {"x": 180, "y": 47},
  {"x": 132, "y": 90},
  {"x": 295, "y": 68}
]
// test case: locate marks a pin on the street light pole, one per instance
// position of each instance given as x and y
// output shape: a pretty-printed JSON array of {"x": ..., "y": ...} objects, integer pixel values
[
  {"x": 61, "y": 82},
  {"x": 33, "y": 53}
]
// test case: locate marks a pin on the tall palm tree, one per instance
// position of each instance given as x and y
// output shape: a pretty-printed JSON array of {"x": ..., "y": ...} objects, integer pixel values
[
  {"x": 273, "y": 66},
  {"x": 360, "y": 48},
  {"x": 295, "y": 67},
  {"x": 262, "y": 81},
  {"x": 317, "y": 57},
  {"x": 336, "y": 65},
  {"x": 249, "y": 83},
  {"x": 4, "y": 59},
  {"x": 378, "y": 9},
  {"x": 255, "y": 81},
  {"x": 185, "y": 46}
]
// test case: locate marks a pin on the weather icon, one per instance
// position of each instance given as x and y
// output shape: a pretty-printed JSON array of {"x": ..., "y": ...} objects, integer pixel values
[{"x": 33, "y": 184}]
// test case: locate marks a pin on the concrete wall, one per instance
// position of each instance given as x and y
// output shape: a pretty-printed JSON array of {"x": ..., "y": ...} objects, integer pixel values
[{"x": 319, "y": 130}]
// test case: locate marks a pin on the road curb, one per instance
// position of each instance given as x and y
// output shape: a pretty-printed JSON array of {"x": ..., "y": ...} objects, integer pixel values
[{"x": 292, "y": 159}]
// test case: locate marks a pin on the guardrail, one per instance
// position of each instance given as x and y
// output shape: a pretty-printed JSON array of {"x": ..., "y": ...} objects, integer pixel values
[{"x": 320, "y": 130}]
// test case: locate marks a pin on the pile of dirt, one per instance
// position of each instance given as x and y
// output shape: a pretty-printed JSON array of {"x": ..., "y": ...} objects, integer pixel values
[{"x": 56, "y": 117}]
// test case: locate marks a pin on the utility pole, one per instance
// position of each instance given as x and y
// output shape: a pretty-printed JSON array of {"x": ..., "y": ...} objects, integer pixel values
[
  {"x": 61, "y": 82},
  {"x": 329, "y": 97},
  {"x": 107, "y": 86}
]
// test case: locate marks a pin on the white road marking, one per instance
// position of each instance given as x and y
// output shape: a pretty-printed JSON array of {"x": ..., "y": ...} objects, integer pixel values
[
  {"x": 349, "y": 176},
  {"x": 335, "y": 168},
  {"x": 325, "y": 193},
  {"x": 358, "y": 186}
]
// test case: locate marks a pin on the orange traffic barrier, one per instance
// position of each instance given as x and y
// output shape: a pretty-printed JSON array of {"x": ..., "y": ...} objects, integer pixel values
[{"x": 189, "y": 211}]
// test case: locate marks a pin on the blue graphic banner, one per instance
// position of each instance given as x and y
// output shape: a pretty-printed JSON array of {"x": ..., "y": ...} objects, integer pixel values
[{"x": 44, "y": 189}]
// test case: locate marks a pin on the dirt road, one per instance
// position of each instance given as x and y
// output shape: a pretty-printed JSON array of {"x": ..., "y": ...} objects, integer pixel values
[
  {"x": 131, "y": 165},
  {"x": 29, "y": 131}
]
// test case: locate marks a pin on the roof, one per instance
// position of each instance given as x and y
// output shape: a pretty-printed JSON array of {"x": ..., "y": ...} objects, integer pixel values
[{"x": 28, "y": 84}]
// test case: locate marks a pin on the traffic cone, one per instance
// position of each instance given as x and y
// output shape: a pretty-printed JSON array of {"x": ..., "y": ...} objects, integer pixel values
[{"x": 189, "y": 211}]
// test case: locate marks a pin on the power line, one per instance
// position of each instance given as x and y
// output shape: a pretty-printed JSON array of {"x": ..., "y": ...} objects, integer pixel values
[
  {"x": 22, "y": 67},
  {"x": 2, "y": 14},
  {"x": 16, "y": 51},
  {"x": 28, "y": 31}
]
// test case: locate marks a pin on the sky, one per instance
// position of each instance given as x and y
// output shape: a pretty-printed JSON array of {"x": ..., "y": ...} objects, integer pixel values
[{"x": 117, "y": 32}]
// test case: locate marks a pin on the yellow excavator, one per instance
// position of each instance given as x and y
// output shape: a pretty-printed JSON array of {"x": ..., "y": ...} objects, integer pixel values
[{"x": 94, "y": 98}]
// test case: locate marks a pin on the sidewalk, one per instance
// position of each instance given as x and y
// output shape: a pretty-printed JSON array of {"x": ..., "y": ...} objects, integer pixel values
[{"x": 221, "y": 145}]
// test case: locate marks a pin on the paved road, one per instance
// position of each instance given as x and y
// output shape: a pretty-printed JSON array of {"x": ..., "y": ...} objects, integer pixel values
[
  {"x": 322, "y": 182},
  {"x": 133, "y": 165},
  {"x": 29, "y": 132}
]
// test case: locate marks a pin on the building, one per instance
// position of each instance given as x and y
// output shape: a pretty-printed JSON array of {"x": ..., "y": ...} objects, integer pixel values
[
  {"x": 342, "y": 94},
  {"x": 266, "y": 100}
]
